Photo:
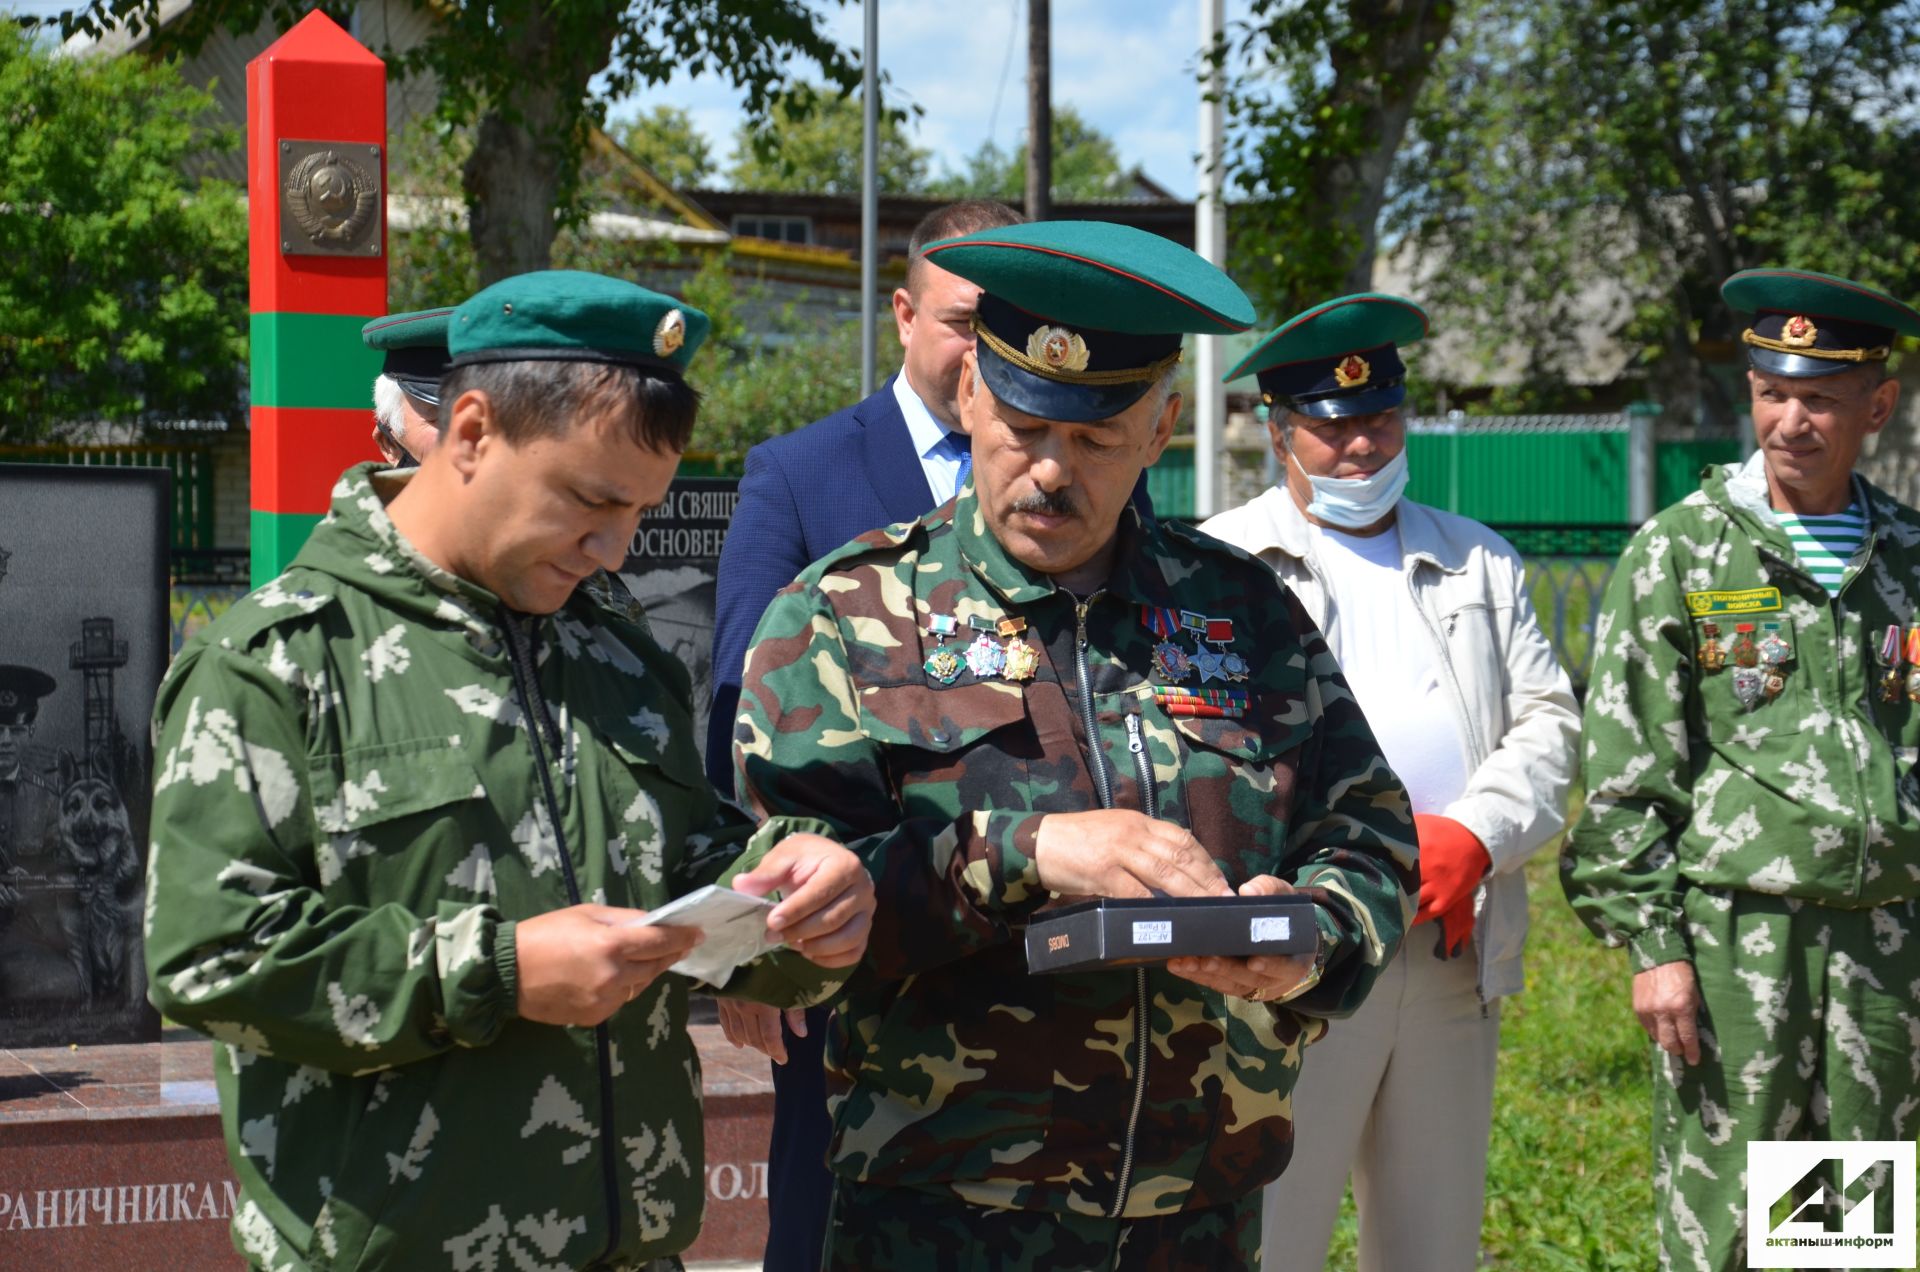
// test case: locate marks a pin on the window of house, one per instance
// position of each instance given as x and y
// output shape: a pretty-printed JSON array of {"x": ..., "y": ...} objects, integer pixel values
[{"x": 781, "y": 229}]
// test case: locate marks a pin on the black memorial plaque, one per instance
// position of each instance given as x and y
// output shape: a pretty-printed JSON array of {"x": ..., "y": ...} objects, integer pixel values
[
  {"x": 83, "y": 644},
  {"x": 671, "y": 569}
]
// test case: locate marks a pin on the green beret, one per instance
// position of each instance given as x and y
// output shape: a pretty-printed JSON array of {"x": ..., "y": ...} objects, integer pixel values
[
  {"x": 1079, "y": 318},
  {"x": 565, "y": 315},
  {"x": 1338, "y": 358},
  {"x": 416, "y": 349},
  {"x": 1807, "y": 325}
]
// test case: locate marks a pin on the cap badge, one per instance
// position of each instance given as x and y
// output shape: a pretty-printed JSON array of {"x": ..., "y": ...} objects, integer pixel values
[
  {"x": 1355, "y": 370},
  {"x": 1799, "y": 332},
  {"x": 1058, "y": 348},
  {"x": 670, "y": 334}
]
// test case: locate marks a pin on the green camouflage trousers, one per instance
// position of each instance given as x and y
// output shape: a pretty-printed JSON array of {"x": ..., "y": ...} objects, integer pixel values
[
  {"x": 1810, "y": 1030},
  {"x": 905, "y": 1230}
]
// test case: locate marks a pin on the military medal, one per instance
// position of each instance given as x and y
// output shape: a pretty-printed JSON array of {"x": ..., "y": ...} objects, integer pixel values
[
  {"x": 1776, "y": 682},
  {"x": 981, "y": 624},
  {"x": 944, "y": 665},
  {"x": 1890, "y": 683},
  {"x": 1021, "y": 660},
  {"x": 1208, "y": 663},
  {"x": 1012, "y": 626},
  {"x": 1712, "y": 656},
  {"x": 1774, "y": 650},
  {"x": 1193, "y": 622},
  {"x": 1748, "y": 686},
  {"x": 1744, "y": 653},
  {"x": 1913, "y": 664},
  {"x": 941, "y": 625},
  {"x": 1234, "y": 666},
  {"x": 1172, "y": 661},
  {"x": 985, "y": 657}
]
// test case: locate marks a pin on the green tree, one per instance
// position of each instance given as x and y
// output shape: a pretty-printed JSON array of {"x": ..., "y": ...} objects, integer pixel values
[
  {"x": 809, "y": 142},
  {"x": 1086, "y": 165},
  {"x": 1319, "y": 94},
  {"x": 666, "y": 140},
  {"x": 124, "y": 291},
  {"x": 530, "y": 76},
  {"x": 1711, "y": 136}
]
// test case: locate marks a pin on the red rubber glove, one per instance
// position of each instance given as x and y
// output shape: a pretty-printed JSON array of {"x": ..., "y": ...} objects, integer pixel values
[{"x": 1452, "y": 863}]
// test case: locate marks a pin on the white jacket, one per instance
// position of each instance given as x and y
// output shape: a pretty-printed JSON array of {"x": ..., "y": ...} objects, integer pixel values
[{"x": 1517, "y": 711}]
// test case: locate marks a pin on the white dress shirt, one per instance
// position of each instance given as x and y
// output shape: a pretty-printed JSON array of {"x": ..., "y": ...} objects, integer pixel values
[{"x": 929, "y": 435}]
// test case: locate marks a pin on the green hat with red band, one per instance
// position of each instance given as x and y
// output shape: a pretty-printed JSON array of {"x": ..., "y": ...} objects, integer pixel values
[
  {"x": 415, "y": 346},
  {"x": 1338, "y": 358},
  {"x": 1807, "y": 325},
  {"x": 1078, "y": 319}
]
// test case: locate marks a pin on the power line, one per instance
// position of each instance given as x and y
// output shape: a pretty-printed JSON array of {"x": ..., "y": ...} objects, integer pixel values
[{"x": 1006, "y": 63}]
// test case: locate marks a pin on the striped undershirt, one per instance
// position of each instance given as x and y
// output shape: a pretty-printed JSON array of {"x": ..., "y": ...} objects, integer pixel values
[{"x": 1825, "y": 544}]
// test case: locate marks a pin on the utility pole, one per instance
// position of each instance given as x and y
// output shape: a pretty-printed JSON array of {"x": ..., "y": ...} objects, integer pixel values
[
  {"x": 1210, "y": 242},
  {"x": 869, "y": 194},
  {"x": 1039, "y": 111}
]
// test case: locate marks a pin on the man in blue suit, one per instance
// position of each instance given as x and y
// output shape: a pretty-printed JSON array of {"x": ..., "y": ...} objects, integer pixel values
[{"x": 891, "y": 458}]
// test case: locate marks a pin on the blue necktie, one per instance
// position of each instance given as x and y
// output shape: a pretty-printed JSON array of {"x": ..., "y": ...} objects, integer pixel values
[{"x": 960, "y": 446}]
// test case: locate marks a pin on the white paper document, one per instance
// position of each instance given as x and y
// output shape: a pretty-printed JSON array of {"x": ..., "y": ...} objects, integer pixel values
[{"x": 735, "y": 924}]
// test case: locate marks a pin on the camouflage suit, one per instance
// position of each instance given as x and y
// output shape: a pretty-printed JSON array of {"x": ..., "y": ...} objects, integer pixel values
[
  {"x": 356, "y": 766},
  {"x": 1777, "y": 849},
  {"x": 1074, "y": 1101}
]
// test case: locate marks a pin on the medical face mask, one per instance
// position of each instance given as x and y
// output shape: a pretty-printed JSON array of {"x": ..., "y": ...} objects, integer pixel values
[{"x": 1354, "y": 503}]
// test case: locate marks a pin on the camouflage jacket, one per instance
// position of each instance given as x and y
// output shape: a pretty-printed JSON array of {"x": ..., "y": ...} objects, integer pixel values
[
  {"x": 950, "y": 1067},
  {"x": 1811, "y": 791},
  {"x": 355, "y": 770}
]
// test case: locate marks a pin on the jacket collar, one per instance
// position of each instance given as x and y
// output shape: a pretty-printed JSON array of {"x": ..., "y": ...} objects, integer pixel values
[
  {"x": 1744, "y": 486},
  {"x": 1278, "y": 525},
  {"x": 1146, "y": 565}
]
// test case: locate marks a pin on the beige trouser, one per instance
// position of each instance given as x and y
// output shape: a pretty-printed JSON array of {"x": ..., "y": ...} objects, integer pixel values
[{"x": 1401, "y": 1095}]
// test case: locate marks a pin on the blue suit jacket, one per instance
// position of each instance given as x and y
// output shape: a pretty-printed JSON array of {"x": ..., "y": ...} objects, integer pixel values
[{"x": 804, "y": 494}]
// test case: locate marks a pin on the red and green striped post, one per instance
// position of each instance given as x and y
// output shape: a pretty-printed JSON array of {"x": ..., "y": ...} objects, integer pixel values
[{"x": 312, "y": 377}]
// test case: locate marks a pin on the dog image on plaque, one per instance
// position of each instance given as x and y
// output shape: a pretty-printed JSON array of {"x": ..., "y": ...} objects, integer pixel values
[{"x": 83, "y": 644}]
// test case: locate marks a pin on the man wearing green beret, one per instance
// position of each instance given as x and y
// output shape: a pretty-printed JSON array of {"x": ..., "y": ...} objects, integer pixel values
[
  {"x": 1034, "y": 693},
  {"x": 1752, "y": 828},
  {"x": 406, "y": 393},
  {"x": 412, "y": 798},
  {"x": 1428, "y": 615}
]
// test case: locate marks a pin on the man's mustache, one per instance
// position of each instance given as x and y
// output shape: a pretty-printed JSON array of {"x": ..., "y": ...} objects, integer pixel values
[{"x": 1052, "y": 503}]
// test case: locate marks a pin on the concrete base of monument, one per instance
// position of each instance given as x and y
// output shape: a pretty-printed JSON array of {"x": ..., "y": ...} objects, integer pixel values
[{"x": 112, "y": 1157}]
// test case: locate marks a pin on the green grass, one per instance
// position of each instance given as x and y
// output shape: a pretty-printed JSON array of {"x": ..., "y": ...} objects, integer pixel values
[{"x": 1569, "y": 1168}]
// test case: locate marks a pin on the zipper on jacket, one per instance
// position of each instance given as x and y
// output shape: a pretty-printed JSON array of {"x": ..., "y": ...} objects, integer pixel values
[
  {"x": 1150, "y": 801},
  {"x": 1142, "y": 766},
  {"x": 1103, "y": 786},
  {"x": 541, "y": 730}
]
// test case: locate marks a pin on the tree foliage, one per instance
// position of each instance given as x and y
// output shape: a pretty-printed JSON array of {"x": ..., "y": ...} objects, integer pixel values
[
  {"x": 666, "y": 140},
  {"x": 1086, "y": 165},
  {"x": 809, "y": 142},
  {"x": 530, "y": 76},
  {"x": 1318, "y": 97},
  {"x": 1586, "y": 171},
  {"x": 124, "y": 296}
]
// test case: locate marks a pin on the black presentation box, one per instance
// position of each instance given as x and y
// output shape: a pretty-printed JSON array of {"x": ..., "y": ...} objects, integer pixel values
[{"x": 1112, "y": 932}]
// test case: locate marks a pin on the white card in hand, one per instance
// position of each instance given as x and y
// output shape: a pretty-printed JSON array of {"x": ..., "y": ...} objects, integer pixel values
[{"x": 735, "y": 924}]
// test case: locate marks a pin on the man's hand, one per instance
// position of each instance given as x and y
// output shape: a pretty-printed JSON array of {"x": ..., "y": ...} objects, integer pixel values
[
  {"x": 1453, "y": 861},
  {"x": 1116, "y": 852},
  {"x": 1261, "y": 978},
  {"x": 580, "y": 965},
  {"x": 1667, "y": 1000},
  {"x": 828, "y": 910},
  {"x": 757, "y": 1026}
]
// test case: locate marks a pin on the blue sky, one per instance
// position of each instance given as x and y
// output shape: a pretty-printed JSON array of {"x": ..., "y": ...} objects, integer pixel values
[{"x": 1128, "y": 66}]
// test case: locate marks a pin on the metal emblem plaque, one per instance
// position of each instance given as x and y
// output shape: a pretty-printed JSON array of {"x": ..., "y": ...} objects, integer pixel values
[{"x": 331, "y": 203}]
